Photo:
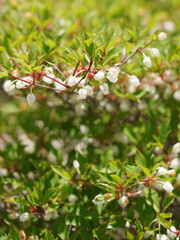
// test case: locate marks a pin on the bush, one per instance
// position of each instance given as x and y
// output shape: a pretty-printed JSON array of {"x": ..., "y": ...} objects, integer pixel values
[{"x": 90, "y": 134}]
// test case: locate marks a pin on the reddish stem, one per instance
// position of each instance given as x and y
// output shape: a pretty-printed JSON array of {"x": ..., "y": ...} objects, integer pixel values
[{"x": 21, "y": 79}]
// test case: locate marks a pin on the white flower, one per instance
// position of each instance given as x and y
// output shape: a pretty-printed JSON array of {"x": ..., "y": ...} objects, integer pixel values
[
  {"x": 154, "y": 52},
  {"x": 20, "y": 84},
  {"x": 24, "y": 217},
  {"x": 175, "y": 163},
  {"x": 8, "y": 86},
  {"x": 172, "y": 234},
  {"x": 169, "y": 26},
  {"x": 134, "y": 81},
  {"x": 31, "y": 98},
  {"x": 162, "y": 36},
  {"x": 147, "y": 61},
  {"x": 72, "y": 198},
  {"x": 82, "y": 82},
  {"x": 48, "y": 70},
  {"x": 113, "y": 74},
  {"x": 83, "y": 93},
  {"x": 47, "y": 216},
  {"x": 123, "y": 201},
  {"x": 104, "y": 88},
  {"x": 59, "y": 86},
  {"x": 48, "y": 80},
  {"x": 176, "y": 148},
  {"x": 146, "y": 234},
  {"x": 168, "y": 186},
  {"x": 90, "y": 91},
  {"x": 54, "y": 215},
  {"x": 84, "y": 129},
  {"x": 161, "y": 237},
  {"x": 176, "y": 95},
  {"x": 109, "y": 227},
  {"x": 3, "y": 172},
  {"x": 72, "y": 80},
  {"x": 99, "y": 76},
  {"x": 127, "y": 225},
  {"x": 162, "y": 171},
  {"x": 76, "y": 164}
]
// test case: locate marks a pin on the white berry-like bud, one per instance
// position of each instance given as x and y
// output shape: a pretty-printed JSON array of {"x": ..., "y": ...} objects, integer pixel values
[
  {"x": 162, "y": 171},
  {"x": 176, "y": 148},
  {"x": 154, "y": 52},
  {"x": 48, "y": 80},
  {"x": 162, "y": 36},
  {"x": 168, "y": 186},
  {"x": 20, "y": 84},
  {"x": 99, "y": 76},
  {"x": 134, "y": 81},
  {"x": 123, "y": 201},
  {"x": 31, "y": 98},
  {"x": 172, "y": 234},
  {"x": 72, "y": 81},
  {"x": 82, "y": 93},
  {"x": 76, "y": 164},
  {"x": 113, "y": 74},
  {"x": 176, "y": 95},
  {"x": 90, "y": 91},
  {"x": 104, "y": 88},
  {"x": 8, "y": 86},
  {"x": 24, "y": 217},
  {"x": 48, "y": 70},
  {"x": 175, "y": 163},
  {"x": 147, "y": 61},
  {"x": 161, "y": 237},
  {"x": 59, "y": 86}
]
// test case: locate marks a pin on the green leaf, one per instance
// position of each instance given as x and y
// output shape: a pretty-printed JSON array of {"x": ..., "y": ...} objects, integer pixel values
[
  {"x": 167, "y": 201},
  {"x": 152, "y": 198},
  {"x": 13, "y": 233},
  {"x": 49, "y": 194},
  {"x": 61, "y": 172},
  {"x": 5, "y": 59},
  {"x": 48, "y": 235},
  {"x": 140, "y": 159}
]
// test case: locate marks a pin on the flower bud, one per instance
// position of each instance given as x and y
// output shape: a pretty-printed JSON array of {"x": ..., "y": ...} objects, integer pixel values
[
  {"x": 99, "y": 76},
  {"x": 24, "y": 217},
  {"x": 154, "y": 52},
  {"x": 123, "y": 201},
  {"x": 104, "y": 88},
  {"x": 31, "y": 99},
  {"x": 147, "y": 61},
  {"x": 82, "y": 93},
  {"x": 162, "y": 36},
  {"x": 172, "y": 234},
  {"x": 8, "y": 86},
  {"x": 168, "y": 186},
  {"x": 76, "y": 164},
  {"x": 134, "y": 81},
  {"x": 175, "y": 163}
]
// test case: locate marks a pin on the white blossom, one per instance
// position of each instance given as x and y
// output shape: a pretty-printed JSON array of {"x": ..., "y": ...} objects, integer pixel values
[
  {"x": 123, "y": 201},
  {"x": 172, "y": 234},
  {"x": 168, "y": 186},
  {"x": 31, "y": 98},
  {"x": 161, "y": 237},
  {"x": 161, "y": 170},
  {"x": 24, "y": 217},
  {"x": 72, "y": 198},
  {"x": 3, "y": 172},
  {"x": 84, "y": 129},
  {"x": 59, "y": 86},
  {"x": 169, "y": 26},
  {"x": 14, "y": 215},
  {"x": 154, "y": 52},
  {"x": 82, "y": 93},
  {"x": 90, "y": 91},
  {"x": 147, "y": 61},
  {"x": 8, "y": 86},
  {"x": 99, "y": 76},
  {"x": 20, "y": 84},
  {"x": 176, "y": 148},
  {"x": 133, "y": 81},
  {"x": 72, "y": 80},
  {"x": 162, "y": 36},
  {"x": 48, "y": 70},
  {"x": 48, "y": 80},
  {"x": 104, "y": 88},
  {"x": 175, "y": 163},
  {"x": 76, "y": 164},
  {"x": 127, "y": 225},
  {"x": 176, "y": 95},
  {"x": 112, "y": 74}
]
